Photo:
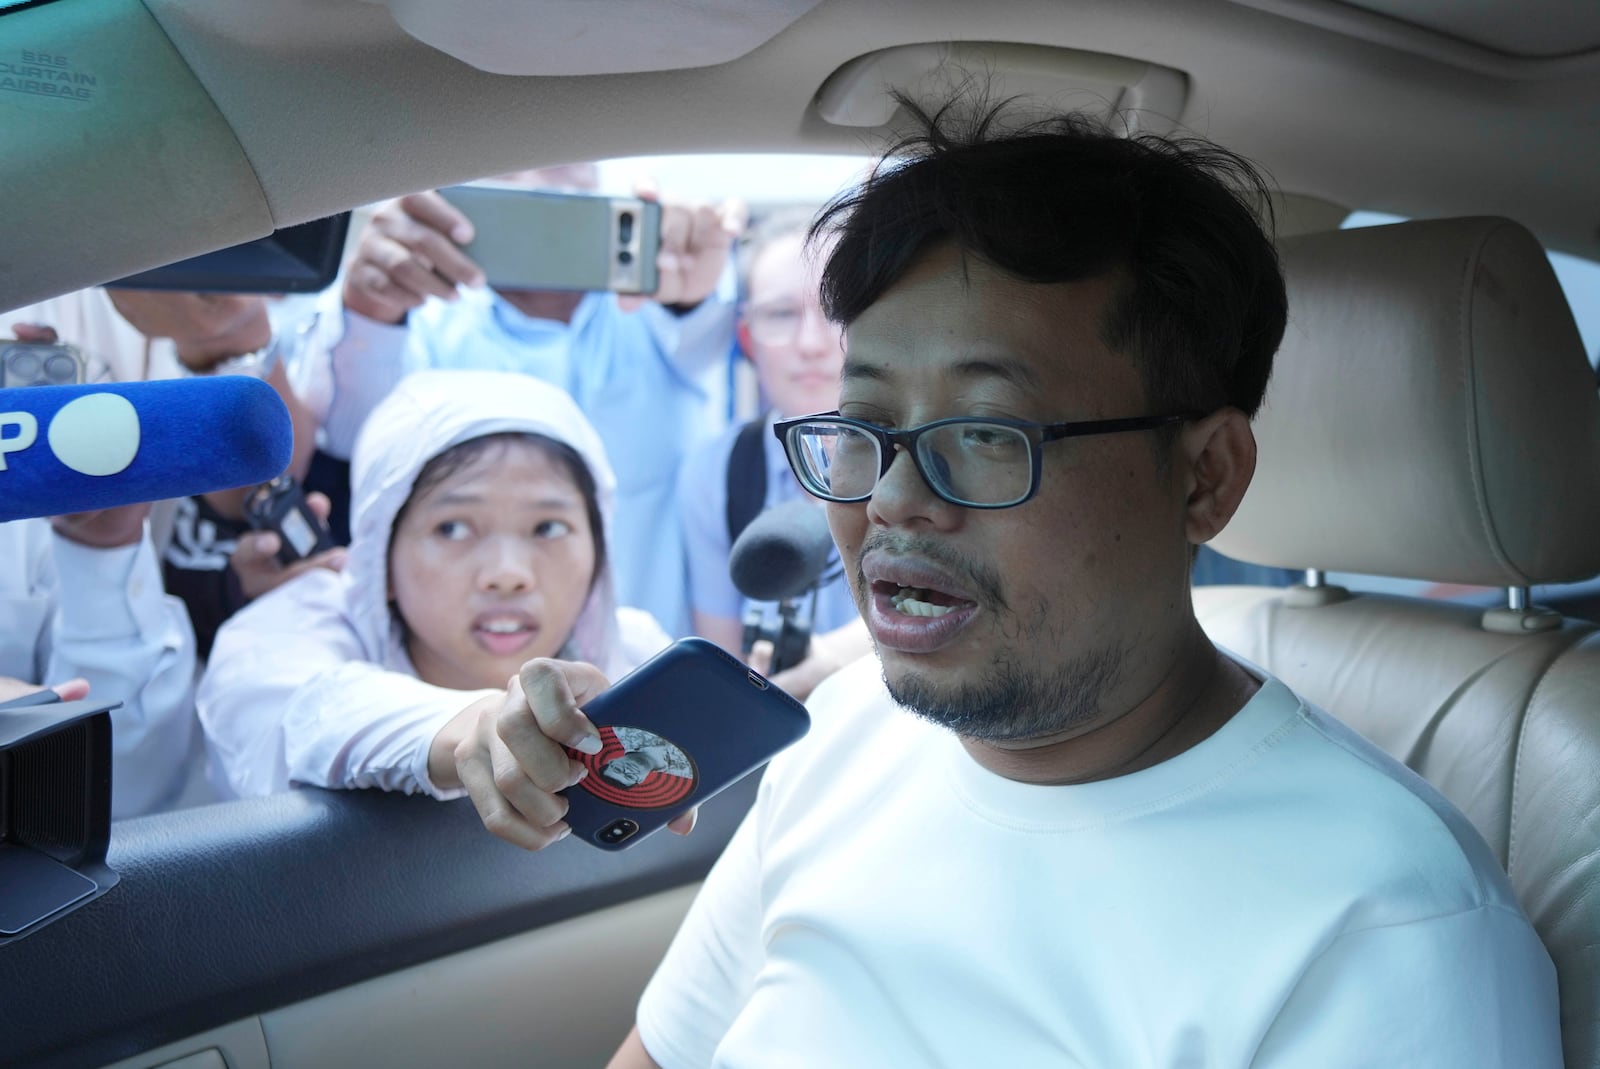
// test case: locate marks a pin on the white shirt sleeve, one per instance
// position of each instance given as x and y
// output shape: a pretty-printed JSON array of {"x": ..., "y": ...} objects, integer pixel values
[
  {"x": 116, "y": 627},
  {"x": 365, "y": 362},
  {"x": 1465, "y": 989},
  {"x": 700, "y": 340},
  {"x": 290, "y": 698},
  {"x": 710, "y": 968}
]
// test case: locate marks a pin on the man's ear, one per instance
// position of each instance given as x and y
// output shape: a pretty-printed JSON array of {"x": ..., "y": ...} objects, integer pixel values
[
  {"x": 744, "y": 340},
  {"x": 1221, "y": 454}
]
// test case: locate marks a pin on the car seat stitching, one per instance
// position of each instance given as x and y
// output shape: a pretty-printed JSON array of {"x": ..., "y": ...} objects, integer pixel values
[
  {"x": 1516, "y": 771},
  {"x": 1468, "y": 356}
]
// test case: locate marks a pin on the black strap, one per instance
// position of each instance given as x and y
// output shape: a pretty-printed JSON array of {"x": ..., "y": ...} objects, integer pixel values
[{"x": 747, "y": 477}]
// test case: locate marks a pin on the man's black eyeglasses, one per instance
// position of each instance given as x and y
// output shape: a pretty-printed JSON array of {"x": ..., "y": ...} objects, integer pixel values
[{"x": 980, "y": 463}]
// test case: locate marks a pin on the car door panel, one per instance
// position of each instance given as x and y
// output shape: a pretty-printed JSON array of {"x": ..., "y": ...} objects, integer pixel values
[{"x": 230, "y": 911}]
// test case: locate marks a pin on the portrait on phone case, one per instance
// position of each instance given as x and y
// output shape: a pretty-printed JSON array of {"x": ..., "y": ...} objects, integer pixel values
[{"x": 637, "y": 769}]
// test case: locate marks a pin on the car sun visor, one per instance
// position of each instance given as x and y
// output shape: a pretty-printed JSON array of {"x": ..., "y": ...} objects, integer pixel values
[{"x": 294, "y": 259}]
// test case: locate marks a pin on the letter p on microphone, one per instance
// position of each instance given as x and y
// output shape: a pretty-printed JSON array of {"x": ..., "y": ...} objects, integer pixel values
[{"x": 27, "y": 431}]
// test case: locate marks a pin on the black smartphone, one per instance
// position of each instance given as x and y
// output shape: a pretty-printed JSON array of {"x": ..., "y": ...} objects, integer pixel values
[
  {"x": 280, "y": 506},
  {"x": 675, "y": 731},
  {"x": 529, "y": 240}
]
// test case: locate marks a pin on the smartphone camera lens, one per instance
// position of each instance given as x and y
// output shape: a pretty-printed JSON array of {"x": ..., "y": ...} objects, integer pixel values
[
  {"x": 61, "y": 368},
  {"x": 617, "y": 831},
  {"x": 624, "y": 257},
  {"x": 25, "y": 366},
  {"x": 625, "y": 228}
]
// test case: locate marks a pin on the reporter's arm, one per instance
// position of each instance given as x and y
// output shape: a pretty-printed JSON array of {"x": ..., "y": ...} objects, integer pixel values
[
  {"x": 366, "y": 358},
  {"x": 116, "y": 628},
  {"x": 291, "y": 696},
  {"x": 698, "y": 341}
]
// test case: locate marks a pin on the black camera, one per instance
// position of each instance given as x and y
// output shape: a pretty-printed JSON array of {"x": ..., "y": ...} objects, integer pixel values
[
  {"x": 618, "y": 830},
  {"x": 28, "y": 363},
  {"x": 280, "y": 506}
]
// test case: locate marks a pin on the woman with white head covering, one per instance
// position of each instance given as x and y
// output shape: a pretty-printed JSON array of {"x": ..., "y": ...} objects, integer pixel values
[{"x": 479, "y": 504}]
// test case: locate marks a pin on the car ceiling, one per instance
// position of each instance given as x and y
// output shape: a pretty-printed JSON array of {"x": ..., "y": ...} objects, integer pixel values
[{"x": 214, "y": 120}]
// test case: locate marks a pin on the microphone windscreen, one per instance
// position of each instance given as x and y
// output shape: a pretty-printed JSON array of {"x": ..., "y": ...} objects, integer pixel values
[
  {"x": 782, "y": 553},
  {"x": 78, "y": 448}
]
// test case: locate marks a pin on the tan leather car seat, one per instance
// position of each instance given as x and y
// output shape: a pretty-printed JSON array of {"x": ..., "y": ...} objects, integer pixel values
[{"x": 1432, "y": 415}]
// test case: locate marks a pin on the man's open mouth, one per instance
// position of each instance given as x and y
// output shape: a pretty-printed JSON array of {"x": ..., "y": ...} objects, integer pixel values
[{"x": 920, "y": 601}]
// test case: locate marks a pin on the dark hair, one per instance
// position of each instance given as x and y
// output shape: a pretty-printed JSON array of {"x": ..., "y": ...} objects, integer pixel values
[
  {"x": 464, "y": 454},
  {"x": 1201, "y": 307}
]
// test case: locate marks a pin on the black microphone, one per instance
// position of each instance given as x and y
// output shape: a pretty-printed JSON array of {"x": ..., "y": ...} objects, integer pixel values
[
  {"x": 782, "y": 553},
  {"x": 780, "y": 557}
]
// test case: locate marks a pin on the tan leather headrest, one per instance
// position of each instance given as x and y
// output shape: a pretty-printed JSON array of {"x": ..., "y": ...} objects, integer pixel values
[{"x": 1431, "y": 413}]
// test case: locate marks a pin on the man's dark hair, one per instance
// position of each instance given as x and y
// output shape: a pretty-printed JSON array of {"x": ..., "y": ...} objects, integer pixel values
[{"x": 1201, "y": 306}]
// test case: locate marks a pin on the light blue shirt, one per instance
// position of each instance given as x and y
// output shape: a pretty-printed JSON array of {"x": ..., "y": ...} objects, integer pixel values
[
  {"x": 654, "y": 384},
  {"x": 703, "y": 504}
]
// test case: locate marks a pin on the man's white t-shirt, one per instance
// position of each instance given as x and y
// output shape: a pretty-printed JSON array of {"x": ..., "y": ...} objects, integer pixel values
[{"x": 1281, "y": 895}]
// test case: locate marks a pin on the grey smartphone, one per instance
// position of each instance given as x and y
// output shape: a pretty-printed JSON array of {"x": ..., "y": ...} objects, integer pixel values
[
  {"x": 530, "y": 240},
  {"x": 675, "y": 731},
  {"x": 26, "y": 363}
]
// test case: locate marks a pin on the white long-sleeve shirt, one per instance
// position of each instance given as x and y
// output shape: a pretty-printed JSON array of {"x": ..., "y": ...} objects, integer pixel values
[
  {"x": 294, "y": 697},
  {"x": 69, "y": 610}
]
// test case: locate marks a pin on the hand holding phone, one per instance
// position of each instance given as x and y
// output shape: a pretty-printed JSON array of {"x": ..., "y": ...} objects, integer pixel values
[
  {"x": 525, "y": 239},
  {"x": 696, "y": 242},
  {"x": 665, "y": 738},
  {"x": 677, "y": 730},
  {"x": 409, "y": 251}
]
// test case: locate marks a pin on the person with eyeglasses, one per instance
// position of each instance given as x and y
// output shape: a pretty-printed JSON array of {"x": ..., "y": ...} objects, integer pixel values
[
  {"x": 1050, "y": 823},
  {"x": 727, "y": 481}
]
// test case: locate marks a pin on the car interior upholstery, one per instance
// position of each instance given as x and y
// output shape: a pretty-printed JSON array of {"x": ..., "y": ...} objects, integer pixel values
[{"x": 1430, "y": 374}]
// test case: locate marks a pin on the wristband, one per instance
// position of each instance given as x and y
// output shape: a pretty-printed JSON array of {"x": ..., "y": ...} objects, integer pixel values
[{"x": 258, "y": 364}]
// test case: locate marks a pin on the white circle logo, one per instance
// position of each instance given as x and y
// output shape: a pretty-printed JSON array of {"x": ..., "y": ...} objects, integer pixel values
[{"x": 95, "y": 435}]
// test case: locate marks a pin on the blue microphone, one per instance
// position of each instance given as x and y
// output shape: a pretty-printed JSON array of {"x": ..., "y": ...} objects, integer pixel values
[{"x": 79, "y": 448}]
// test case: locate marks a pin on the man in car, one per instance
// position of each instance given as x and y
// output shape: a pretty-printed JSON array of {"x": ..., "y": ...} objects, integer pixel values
[
  {"x": 1051, "y": 823},
  {"x": 651, "y": 376}
]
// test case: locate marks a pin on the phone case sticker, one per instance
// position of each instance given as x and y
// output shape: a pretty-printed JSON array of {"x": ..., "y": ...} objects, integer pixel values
[{"x": 637, "y": 769}]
